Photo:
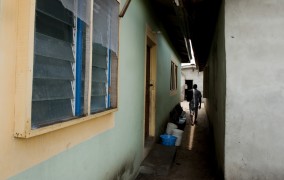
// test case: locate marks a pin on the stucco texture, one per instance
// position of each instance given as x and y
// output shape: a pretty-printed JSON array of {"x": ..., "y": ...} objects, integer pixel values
[{"x": 254, "y": 108}]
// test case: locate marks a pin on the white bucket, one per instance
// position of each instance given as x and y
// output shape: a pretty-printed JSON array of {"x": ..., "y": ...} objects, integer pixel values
[
  {"x": 178, "y": 133},
  {"x": 170, "y": 128}
]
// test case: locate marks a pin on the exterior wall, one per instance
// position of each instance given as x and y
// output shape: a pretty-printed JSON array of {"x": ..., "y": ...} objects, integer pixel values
[
  {"x": 254, "y": 109},
  {"x": 191, "y": 74},
  {"x": 86, "y": 150},
  {"x": 215, "y": 92},
  {"x": 165, "y": 99}
]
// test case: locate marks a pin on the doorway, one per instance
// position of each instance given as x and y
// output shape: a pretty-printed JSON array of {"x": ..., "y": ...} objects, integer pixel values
[
  {"x": 189, "y": 84},
  {"x": 150, "y": 92},
  {"x": 147, "y": 94}
]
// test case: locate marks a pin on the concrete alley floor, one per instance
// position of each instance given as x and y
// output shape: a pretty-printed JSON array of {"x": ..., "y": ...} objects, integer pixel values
[{"x": 194, "y": 158}]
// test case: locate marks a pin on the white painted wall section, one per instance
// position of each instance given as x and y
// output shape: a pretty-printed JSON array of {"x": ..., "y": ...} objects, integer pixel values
[{"x": 254, "y": 139}]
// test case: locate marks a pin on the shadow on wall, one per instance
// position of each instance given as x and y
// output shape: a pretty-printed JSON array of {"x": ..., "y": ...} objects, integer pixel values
[{"x": 125, "y": 171}]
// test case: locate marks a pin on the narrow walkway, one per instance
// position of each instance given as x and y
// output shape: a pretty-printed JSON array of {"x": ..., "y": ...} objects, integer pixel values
[{"x": 194, "y": 160}]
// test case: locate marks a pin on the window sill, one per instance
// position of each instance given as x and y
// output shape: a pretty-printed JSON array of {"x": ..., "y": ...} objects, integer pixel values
[{"x": 36, "y": 132}]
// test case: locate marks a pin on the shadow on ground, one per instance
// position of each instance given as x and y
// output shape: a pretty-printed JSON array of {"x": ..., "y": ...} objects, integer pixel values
[{"x": 194, "y": 158}]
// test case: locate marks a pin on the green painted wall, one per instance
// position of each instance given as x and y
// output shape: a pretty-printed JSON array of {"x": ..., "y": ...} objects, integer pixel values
[
  {"x": 165, "y": 102},
  {"x": 117, "y": 153}
]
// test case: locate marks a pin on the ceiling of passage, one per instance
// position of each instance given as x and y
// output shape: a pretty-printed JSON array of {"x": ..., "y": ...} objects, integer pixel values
[{"x": 189, "y": 19}]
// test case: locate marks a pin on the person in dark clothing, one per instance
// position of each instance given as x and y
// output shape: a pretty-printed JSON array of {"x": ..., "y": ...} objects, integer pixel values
[{"x": 194, "y": 97}]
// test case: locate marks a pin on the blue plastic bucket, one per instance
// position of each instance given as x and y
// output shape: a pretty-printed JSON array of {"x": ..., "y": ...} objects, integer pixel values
[{"x": 168, "y": 140}]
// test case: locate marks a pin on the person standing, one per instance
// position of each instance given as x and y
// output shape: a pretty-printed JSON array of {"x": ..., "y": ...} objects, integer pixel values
[{"x": 194, "y": 97}]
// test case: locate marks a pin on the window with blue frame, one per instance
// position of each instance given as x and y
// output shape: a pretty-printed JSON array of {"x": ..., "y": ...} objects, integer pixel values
[
  {"x": 60, "y": 59},
  {"x": 104, "y": 55}
]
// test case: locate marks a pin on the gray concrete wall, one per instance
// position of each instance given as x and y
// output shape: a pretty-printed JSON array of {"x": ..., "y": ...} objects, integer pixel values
[
  {"x": 215, "y": 92},
  {"x": 254, "y": 143},
  {"x": 191, "y": 74}
]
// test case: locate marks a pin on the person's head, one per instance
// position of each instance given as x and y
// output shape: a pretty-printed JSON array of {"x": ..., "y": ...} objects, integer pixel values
[{"x": 194, "y": 86}]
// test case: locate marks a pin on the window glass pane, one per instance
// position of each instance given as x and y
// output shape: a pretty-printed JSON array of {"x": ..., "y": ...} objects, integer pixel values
[
  {"x": 53, "y": 48},
  {"x": 52, "y": 68},
  {"x": 56, "y": 12},
  {"x": 53, "y": 27},
  {"x": 104, "y": 58},
  {"x": 51, "y": 89},
  {"x": 59, "y": 63},
  {"x": 99, "y": 75},
  {"x": 97, "y": 103},
  {"x": 105, "y": 23},
  {"x": 98, "y": 89},
  {"x": 48, "y": 112},
  {"x": 100, "y": 56}
]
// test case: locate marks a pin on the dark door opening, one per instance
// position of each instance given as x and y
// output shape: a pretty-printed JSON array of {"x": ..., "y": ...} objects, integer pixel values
[
  {"x": 147, "y": 93},
  {"x": 189, "y": 84}
]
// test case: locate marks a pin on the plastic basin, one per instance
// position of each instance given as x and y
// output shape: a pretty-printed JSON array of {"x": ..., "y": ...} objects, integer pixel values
[{"x": 168, "y": 140}]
